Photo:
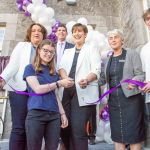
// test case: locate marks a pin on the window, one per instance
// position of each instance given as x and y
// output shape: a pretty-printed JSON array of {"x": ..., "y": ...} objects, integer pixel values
[{"x": 2, "y": 34}]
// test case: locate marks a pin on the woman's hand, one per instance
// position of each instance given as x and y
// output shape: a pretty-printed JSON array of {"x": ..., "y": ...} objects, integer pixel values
[
  {"x": 83, "y": 83},
  {"x": 64, "y": 121},
  {"x": 2, "y": 83},
  {"x": 146, "y": 88},
  {"x": 67, "y": 82},
  {"x": 131, "y": 86}
]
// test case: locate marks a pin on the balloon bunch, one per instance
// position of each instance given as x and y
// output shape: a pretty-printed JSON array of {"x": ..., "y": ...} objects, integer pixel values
[
  {"x": 38, "y": 11},
  {"x": 22, "y": 6},
  {"x": 103, "y": 132},
  {"x": 53, "y": 36}
]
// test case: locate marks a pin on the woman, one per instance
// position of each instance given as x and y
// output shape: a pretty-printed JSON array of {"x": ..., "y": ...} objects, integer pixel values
[
  {"x": 43, "y": 118},
  {"x": 13, "y": 75},
  {"x": 126, "y": 104},
  {"x": 82, "y": 64}
]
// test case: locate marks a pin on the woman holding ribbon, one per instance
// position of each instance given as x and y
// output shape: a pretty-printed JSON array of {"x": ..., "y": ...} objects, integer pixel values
[
  {"x": 12, "y": 76},
  {"x": 82, "y": 64},
  {"x": 44, "y": 109},
  {"x": 126, "y": 104}
]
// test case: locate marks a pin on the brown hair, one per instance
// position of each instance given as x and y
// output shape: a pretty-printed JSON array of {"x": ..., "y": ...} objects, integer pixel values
[
  {"x": 29, "y": 30},
  {"x": 37, "y": 60},
  {"x": 79, "y": 25},
  {"x": 64, "y": 26},
  {"x": 146, "y": 14}
]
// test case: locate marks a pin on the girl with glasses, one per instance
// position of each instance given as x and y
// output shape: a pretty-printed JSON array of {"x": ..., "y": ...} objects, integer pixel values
[{"x": 44, "y": 109}]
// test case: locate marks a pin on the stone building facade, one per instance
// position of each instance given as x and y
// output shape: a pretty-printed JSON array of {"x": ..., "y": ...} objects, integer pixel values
[{"x": 103, "y": 14}]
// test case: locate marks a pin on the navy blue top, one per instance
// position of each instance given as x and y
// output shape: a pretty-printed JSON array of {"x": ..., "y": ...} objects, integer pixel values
[{"x": 47, "y": 101}]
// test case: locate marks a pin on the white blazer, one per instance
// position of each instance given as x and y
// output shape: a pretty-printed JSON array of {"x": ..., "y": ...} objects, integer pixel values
[
  {"x": 88, "y": 62},
  {"x": 13, "y": 73}
]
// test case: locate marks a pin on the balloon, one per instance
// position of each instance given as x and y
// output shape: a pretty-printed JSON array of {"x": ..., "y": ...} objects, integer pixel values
[
  {"x": 69, "y": 26},
  {"x": 104, "y": 115},
  {"x": 19, "y": 1},
  {"x": 37, "y": 2},
  {"x": 30, "y": 8},
  {"x": 69, "y": 38},
  {"x": 82, "y": 21},
  {"x": 44, "y": 21},
  {"x": 52, "y": 21},
  {"x": 54, "y": 29},
  {"x": 107, "y": 133},
  {"x": 90, "y": 28},
  {"x": 38, "y": 10},
  {"x": 26, "y": 13},
  {"x": 34, "y": 17},
  {"x": 100, "y": 131},
  {"x": 26, "y": 2},
  {"x": 49, "y": 12},
  {"x": 49, "y": 29},
  {"x": 20, "y": 7}
]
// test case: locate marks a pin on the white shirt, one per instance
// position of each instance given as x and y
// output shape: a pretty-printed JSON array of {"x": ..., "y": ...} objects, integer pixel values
[
  {"x": 145, "y": 58},
  {"x": 60, "y": 51}
]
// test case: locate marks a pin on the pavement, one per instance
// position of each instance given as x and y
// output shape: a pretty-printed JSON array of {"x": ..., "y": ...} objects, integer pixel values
[{"x": 97, "y": 146}]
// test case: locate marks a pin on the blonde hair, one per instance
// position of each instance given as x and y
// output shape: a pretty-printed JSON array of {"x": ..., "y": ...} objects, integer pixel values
[
  {"x": 115, "y": 32},
  {"x": 37, "y": 60}
]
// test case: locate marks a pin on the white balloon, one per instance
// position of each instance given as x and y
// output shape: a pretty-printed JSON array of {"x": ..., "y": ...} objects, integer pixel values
[
  {"x": 30, "y": 8},
  {"x": 49, "y": 12},
  {"x": 69, "y": 26},
  {"x": 34, "y": 17},
  {"x": 82, "y": 21},
  {"x": 69, "y": 38},
  {"x": 37, "y": 2},
  {"x": 44, "y": 21},
  {"x": 100, "y": 131},
  {"x": 107, "y": 134},
  {"x": 90, "y": 28},
  {"x": 38, "y": 10},
  {"x": 49, "y": 29},
  {"x": 52, "y": 21},
  {"x": 89, "y": 36}
]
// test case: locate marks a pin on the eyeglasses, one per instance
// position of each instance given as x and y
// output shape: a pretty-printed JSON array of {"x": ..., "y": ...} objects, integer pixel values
[{"x": 48, "y": 51}]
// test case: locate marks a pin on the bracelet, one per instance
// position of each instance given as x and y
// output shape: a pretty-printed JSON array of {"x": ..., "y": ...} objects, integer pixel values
[{"x": 57, "y": 84}]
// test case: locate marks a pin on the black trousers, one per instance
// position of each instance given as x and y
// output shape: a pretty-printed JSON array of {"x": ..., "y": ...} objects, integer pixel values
[
  {"x": 18, "y": 105},
  {"x": 92, "y": 121},
  {"x": 42, "y": 124},
  {"x": 74, "y": 136},
  {"x": 147, "y": 125}
]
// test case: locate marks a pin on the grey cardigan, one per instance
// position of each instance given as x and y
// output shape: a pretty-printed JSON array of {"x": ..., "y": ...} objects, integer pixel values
[{"x": 132, "y": 70}]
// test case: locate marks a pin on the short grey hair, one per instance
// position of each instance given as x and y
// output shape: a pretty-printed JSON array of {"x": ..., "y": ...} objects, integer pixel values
[{"x": 115, "y": 32}]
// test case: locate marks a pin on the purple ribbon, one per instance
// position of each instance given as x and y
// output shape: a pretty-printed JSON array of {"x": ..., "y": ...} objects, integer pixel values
[
  {"x": 21, "y": 92},
  {"x": 135, "y": 82}
]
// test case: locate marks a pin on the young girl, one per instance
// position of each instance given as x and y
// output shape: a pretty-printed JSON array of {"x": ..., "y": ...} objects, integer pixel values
[{"x": 44, "y": 109}]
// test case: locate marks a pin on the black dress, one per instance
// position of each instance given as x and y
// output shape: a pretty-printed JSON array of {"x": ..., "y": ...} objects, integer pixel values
[{"x": 126, "y": 114}]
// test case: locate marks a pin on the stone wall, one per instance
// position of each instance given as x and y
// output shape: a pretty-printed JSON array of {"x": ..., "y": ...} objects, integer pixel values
[{"x": 133, "y": 24}]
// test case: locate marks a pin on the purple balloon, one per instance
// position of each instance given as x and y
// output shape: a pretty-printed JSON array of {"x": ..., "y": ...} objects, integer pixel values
[
  {"x": 104, "y": 115},
  {"x": 54, "y": 29},
  {"x": 20, "y": 7},
  {"x": 26, "y": 13},
  {"x": 19, "y": 1},
  {"x": 26, "y": 2},
  {"x": 44, "y": 1},
  {"x": 57, "y": 24}
]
